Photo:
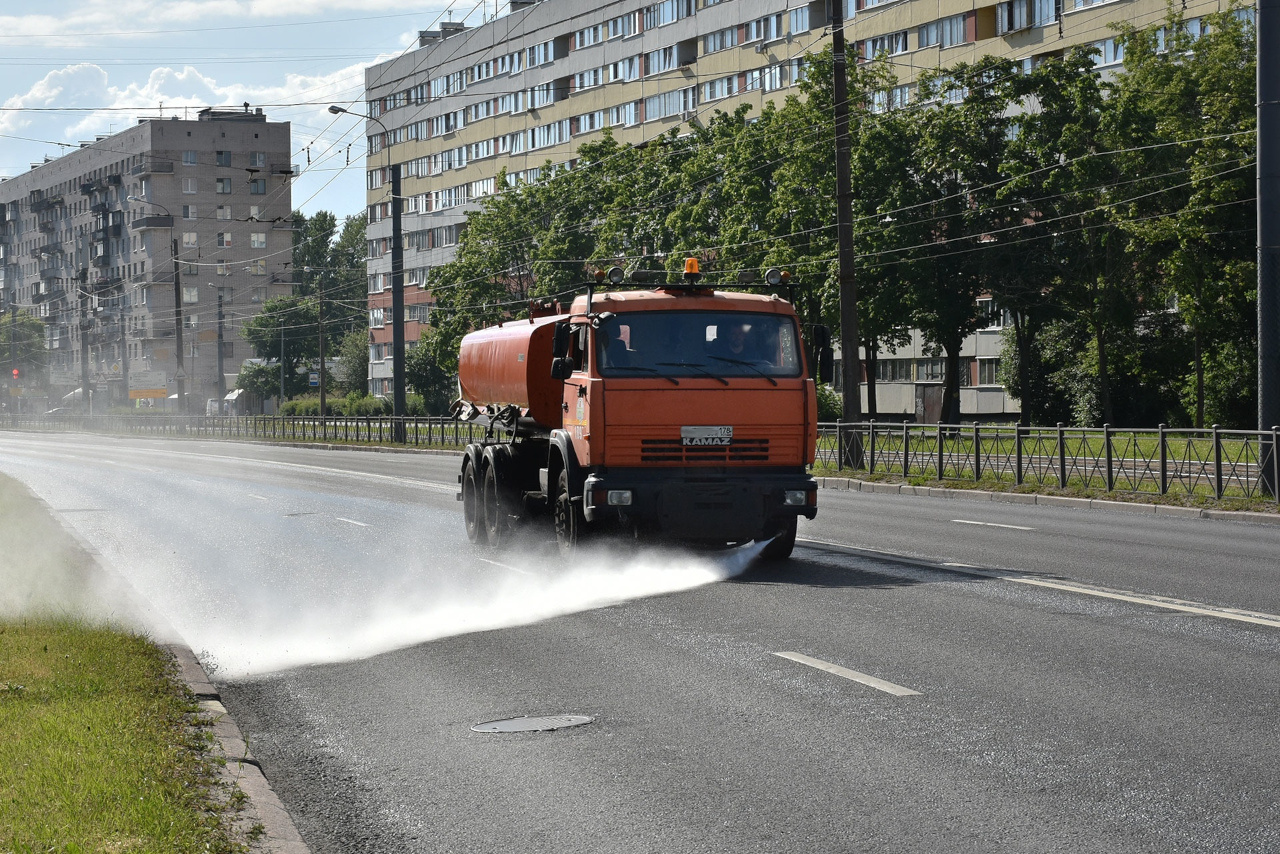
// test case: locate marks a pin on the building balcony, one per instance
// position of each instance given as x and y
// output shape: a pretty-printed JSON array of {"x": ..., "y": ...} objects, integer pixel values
[
  {"x": 48, "y": 226},
  {"x": 99, "y": 208},
  {"x": 101, "y": 261},
  {"x": 152, "y": 167},
  {"x": 155, "y": 221}
]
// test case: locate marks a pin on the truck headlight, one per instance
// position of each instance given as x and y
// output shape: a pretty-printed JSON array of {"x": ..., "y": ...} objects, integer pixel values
[
  {"x": 619, "y": 498},
  {"x": 793, "y": 498}
]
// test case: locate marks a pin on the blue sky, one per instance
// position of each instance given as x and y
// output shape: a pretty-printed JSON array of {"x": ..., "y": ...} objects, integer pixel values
[{"x": 72, "y": 69}]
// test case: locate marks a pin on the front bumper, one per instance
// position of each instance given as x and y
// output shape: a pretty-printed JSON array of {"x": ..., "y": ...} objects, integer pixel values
[{"x": 701, "y": 504}]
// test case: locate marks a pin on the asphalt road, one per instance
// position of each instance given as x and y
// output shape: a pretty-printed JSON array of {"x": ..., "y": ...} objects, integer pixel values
[{"x": 918, "y": 707}]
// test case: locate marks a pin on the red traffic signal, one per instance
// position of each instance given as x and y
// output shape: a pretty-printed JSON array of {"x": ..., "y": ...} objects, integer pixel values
[{"x": 17, "y": 372}]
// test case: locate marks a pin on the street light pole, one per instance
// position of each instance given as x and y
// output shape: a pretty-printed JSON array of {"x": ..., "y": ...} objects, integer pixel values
[{"x": 399, "y": 402}]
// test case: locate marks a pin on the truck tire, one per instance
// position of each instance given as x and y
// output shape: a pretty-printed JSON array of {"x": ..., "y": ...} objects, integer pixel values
[
  {"x": 495, "y": 513},
  {"x": 781, "y": 546},
  {"x": 473, "y": 504},
  {"x": 569, "y": 521}
]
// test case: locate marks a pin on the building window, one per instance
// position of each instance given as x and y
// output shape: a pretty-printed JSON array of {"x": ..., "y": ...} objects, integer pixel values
[
  {"x": 893, "y": 370},
  {"x": 931, "y": 370},
  {"x": 376, "y": 318},
  {"x": 190, "y": 294},
  {"x": 721, "y": 88},
  {"x": 766, "y": 29},
  {"x": 223, "y": 185},
  {"x": 623, "y": 115},
  {"x": 588, "y": 36},
  {"x": 190, "y": 240},
  {"x": 623, "y": 26},
  {"x": 947, "y": 32},
  {"x": 224, "y": 238},
  {"x": 720, "y": 40},
  {"x": 189, "y": 186},
  {"x": 257, "y": 267},
  {"x": 988, "y": 372},
  {"x": 188, "y": 211},
  {"x": 588, "y": 79},
  {"x": 222, "y": 158},
  {"x": 800, "y": 19},
  {"x": 540, "y": 54},
  {"x": 257, "y": 160},
  {"x": 1110, "y": 52},
  {"x": 666, "y": 12},
  {"x": 670, "y": 104},
  {"x": 624, "y": 70},
  {"x": 890, "y": 43},
  {"x": 224, "y": 211},
  {"x": 258, "y": 187},
  {"x": 258, "y": 240},
  {"x": 765, "y": 79},
  {"x": 188, "y": 158},
  {"x": 658, "y": 61},
  {"x": 1011, "y": 16}
]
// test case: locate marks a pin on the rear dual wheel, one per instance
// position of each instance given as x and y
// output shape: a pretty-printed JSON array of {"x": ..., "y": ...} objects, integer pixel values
[{"x": 473, "y": 514}]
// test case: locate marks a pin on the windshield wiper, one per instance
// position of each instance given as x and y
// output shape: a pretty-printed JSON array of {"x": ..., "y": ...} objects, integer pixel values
[
  {"x": 646, "y": 370},
  {"x": 750, "y": 365},
  {"x": 699, "y": 368}
]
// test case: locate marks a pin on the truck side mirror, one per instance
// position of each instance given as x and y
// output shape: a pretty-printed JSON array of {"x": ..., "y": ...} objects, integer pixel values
[
  {"x": 826, "y": 363},
  {"x": 560, "y": 343},
  {"x": 562, "y": 367}
]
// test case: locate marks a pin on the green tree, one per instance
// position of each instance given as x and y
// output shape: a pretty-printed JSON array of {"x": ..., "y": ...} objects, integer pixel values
[
  {"x": 22, "y": 346},
  {"x": 436, "y": 384},
  {"x": 353, "y": 363},
  {"x": 1185, "y": 104},
  {"x": 286, "y": 332}
]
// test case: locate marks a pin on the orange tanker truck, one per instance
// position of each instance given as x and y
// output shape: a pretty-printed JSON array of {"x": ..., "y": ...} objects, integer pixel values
[{"x": 676, "y": 411}]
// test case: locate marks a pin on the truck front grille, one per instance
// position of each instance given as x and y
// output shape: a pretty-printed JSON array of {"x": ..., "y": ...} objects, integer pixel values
[{"x": 672, "y": 451}]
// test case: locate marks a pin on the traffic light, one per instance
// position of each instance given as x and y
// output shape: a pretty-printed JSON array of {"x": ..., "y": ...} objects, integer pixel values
[{"x": 17, "y": 374}]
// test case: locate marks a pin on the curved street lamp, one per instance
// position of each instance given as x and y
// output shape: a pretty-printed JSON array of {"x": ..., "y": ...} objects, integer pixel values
[{"x": 398, "y": 402}]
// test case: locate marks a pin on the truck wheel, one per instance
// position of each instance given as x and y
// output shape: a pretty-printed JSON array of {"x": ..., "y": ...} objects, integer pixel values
[
  {"x": 495, "y": 514},
  {"x": 472, "y": 505},
  {"x": 570, "y": 523},
  {"x": 780, "y": 546}
]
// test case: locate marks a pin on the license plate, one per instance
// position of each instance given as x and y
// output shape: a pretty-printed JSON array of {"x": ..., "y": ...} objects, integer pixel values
[{"x": 706, "y": 435}]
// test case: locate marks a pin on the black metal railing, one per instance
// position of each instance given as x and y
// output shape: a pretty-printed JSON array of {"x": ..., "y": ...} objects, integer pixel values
[
  {"x": 380, "y": 430},
  {"x": 1212, "y": 463}
]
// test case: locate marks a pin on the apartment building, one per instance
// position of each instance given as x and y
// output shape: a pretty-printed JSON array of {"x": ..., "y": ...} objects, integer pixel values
[
  {"x": 533, "y": 84},
  {"x": 88, "y": 240}
]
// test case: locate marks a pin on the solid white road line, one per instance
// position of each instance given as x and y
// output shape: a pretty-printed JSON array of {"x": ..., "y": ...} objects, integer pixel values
[
  {"x": 862, "y": 678},
  {"x": 1259, "y": 618},
  {"x": 1255, "y": 617},
  {"x": 992, "y": 525},
  {"x": 352, "y": 521}
]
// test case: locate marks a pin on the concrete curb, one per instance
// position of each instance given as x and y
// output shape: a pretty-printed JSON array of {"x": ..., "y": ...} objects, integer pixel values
[
  {"x": 854, "y": 485},
  {"x": 240, "y": 769}
]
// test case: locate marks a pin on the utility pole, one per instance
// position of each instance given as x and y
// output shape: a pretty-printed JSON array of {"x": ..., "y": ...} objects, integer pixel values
[
  {"x": 1268, "y": 34},
  {"x": 180, "y": 376},
  {"x": 85, "y": 395},
  {"x": 399, "y": 405},
  {"x": 124, "y": 356},
  {"x": 851, "y": 364},
  {"x": 324, "y": 429},
  {"x": 222, "y": 377}
]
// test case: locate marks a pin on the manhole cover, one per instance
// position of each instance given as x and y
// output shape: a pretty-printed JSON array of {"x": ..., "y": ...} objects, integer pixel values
[{"x": 540, "y": 723}]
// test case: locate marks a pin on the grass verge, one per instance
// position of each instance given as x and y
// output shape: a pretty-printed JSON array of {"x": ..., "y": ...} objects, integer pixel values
[{"x": 102, "y": 749}]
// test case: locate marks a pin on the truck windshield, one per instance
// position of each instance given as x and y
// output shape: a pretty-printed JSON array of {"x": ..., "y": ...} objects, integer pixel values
[{"x": 698, "y": 344}]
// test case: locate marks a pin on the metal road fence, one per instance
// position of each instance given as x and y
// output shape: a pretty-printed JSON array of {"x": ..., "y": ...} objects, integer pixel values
[
  {"x": 383, "y": 430},
  {"x": 1211, "y": 463}
]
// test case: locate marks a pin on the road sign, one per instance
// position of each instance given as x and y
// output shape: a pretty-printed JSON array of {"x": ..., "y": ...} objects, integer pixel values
[
  {"x": 147, "y": 384},
  {"x": 314, "y": 379}
]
